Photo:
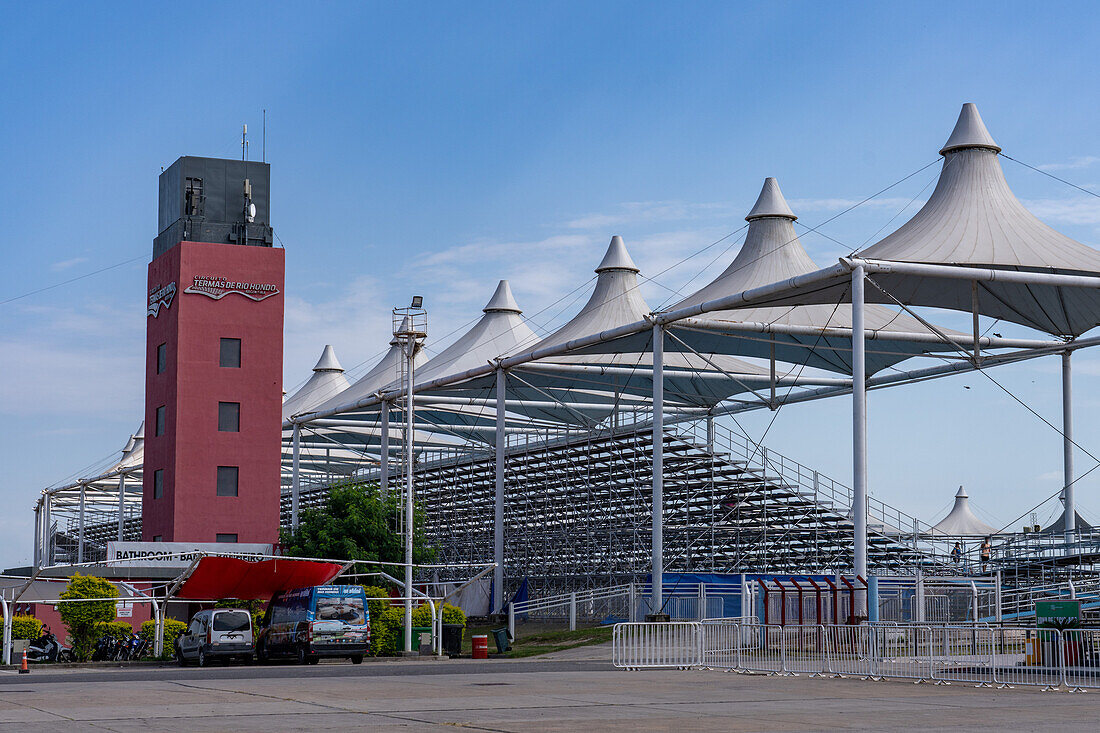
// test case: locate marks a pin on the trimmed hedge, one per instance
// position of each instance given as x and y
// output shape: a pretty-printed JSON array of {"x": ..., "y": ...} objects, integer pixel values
[
  {"x": 383, "y": 630},
  {"x": 172, "y": 629},
  {"x": 422, "y": 615},
  {"x": 113, "y": 629},
  {"x": 386, "y": 620},
  {"x": 25, "y": 627}
]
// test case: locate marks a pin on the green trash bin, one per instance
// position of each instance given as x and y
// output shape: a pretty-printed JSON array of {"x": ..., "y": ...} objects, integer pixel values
[
  {"x": 417, "y": 631},
  {"x": 501, "y": 638}
]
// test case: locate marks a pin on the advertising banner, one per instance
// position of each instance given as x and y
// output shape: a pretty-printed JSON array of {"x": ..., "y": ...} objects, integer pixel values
[{"x": 178, "y": 554}]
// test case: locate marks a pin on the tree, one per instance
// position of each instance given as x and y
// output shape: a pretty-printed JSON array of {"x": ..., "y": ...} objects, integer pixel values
[
  {"x": 356, "y": 523},
  {"x": 82, "y": 617}
]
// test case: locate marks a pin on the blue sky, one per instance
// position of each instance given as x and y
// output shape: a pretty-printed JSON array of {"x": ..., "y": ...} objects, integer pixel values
[{"x": 436, "y": 148}]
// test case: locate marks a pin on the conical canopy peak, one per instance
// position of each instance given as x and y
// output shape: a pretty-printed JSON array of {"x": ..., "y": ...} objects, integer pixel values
[
  {"x": 969, "y": 132},
  {"x": 770, "y": 203},
  {"x": 961, "y": 494},
  {"x": 328, "y": 361},
  {"x": 502, "y": 300},
  {"x": 617, "y": 258},
  {"x": 406, "y": 326}
]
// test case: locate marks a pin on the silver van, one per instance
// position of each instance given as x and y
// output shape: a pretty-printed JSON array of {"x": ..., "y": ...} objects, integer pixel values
[{"x": 216, "y": 633}]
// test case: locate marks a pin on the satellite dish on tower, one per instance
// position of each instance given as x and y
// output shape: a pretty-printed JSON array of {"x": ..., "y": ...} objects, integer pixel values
[{"x": 250, "y": 212}]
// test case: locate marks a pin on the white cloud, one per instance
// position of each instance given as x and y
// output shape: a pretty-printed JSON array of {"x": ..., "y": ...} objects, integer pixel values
[
  {"x": 839, "y": 204},
  {"x": 1078, "y": 210},
  {"x": 639, "y": 212},
  {"x": 69, "y": 381},
  {"x": 1085, "y": 161},
  {"x": 66, "y": 264}
]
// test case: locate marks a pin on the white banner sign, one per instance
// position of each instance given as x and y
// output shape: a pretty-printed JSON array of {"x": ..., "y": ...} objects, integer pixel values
[{"x": 177, "y": 554}]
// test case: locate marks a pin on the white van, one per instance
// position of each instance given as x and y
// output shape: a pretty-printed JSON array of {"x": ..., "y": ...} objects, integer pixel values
[{"x": 216, "y": 633}]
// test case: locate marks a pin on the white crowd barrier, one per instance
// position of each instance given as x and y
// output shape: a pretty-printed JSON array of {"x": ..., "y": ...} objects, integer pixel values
[
  {"x": 977, "y": 654},
  {"x": 674, "y": 645}
]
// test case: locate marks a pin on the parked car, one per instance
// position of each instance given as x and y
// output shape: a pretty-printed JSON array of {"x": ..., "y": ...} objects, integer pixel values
[
  {"x": 216, "y": 633},
  {"x": 310, "y": 623}
]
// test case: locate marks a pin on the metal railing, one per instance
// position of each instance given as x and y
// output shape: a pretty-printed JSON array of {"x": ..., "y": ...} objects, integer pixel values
[
  {"x": 977, "y": 654},
  {"x": 883, "y": 519},
  {"x": 1021, "y": 601}
]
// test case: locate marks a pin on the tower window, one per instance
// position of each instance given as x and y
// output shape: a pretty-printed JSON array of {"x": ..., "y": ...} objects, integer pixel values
[
  {"x": 227, "y": 480},
  {"x": 230, "y": 355},
  {"x": 161, "y": 420},
  {"x": 162, "y": 358},
  {"x": 226, "y": 537},
  {"x": 229, "y": 417},
  {"x": 158, "y": 483},
  {"x": 193, "y": 200}
]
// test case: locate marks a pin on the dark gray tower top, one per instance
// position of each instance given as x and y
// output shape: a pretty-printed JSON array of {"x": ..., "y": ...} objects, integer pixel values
[{"x": 214, "y": 200}]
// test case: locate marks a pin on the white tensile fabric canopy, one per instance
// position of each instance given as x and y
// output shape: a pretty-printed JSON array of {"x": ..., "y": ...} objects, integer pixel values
[
  {"x": 960, "y": 521},
  {"x": 973, "y": 219},
  {"x": 383, "y": 374},
  {"x": 326, "y": 381},
  {"x": 795, "y": 333},
  {"x": 773, "y": 253},
  {"x": 604, "y": 377}
]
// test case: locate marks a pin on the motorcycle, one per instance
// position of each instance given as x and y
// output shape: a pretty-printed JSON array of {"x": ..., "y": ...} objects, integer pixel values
[
  {"x": 47, "y": 648},
  {"x": 105, "y": 649}
]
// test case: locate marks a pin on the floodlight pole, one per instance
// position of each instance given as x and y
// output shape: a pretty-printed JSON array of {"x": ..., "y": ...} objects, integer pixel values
[
  {"x": 657, "y": 562},
  {"x": 295, "y": 475},
  {"x": 1067, "y": 446},
  {"x": 498, "y": 504},
  {"x": 384, "y": 459},
  {"x": 410, "y": 354},
  {"x": 859, "y": 435}
]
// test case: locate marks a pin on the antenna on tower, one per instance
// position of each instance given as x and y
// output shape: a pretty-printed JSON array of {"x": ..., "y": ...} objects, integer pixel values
[
  {"x": 244, "y": 142},
  {"x": 263, "y": 140}
]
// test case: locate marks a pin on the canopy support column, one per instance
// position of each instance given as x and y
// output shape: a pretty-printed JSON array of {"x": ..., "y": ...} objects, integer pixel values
[
  {"x": 859, "y": 435},
  {"x": 121, "y": 505},
  {"x": 38, "y": 536},
  {"x": 80, "y": 527},
  {"x": 772, "y": 403},
  {"x": 657, "y": 563},
  {"x": 47, "y": 534},
  {"x": 498, "y": 503},
  {"x": 977, "y": 328},
  {"x": 1067, "y": 445},
  {"x": 384, "y": 459},
  {"x": 295, "y": 476}
]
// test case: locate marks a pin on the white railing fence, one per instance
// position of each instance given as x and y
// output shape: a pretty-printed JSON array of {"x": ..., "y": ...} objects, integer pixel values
[
  {"x": 630, "y": 601},
  {"x": 976, "y": 654}
]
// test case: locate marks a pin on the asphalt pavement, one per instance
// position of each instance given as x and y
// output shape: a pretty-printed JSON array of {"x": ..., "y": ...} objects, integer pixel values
[{"x": 513, "y": 696}]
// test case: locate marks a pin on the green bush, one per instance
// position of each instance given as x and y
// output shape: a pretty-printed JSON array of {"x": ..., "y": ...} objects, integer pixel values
[
  {"x": 422, "y": 615},
  {"x": 172, "y": 630},
  {"x": 377, "y": 599},
  {"x": 113, "y": 629},
  {"x": 25, "y": 627},
  {"x": 383, "y": 630},
  {"x": 81, "y": 618}
]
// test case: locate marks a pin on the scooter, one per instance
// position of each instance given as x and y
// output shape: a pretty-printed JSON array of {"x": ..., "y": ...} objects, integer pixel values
[{"x": 47, "y": 648}]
